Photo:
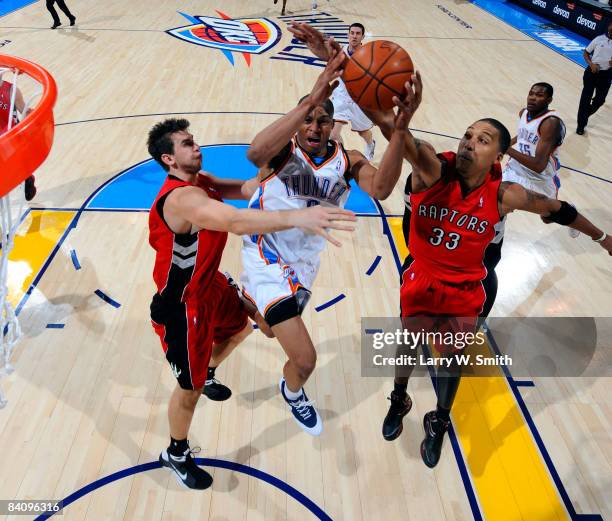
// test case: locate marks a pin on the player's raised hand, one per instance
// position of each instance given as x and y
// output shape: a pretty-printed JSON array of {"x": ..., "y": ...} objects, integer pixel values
[
  {"x": 314, "y": 40},
  {"x": 327, "y": 80},
  {"x": 409, "y": 104},
  {"x": 318, "y": 220}
]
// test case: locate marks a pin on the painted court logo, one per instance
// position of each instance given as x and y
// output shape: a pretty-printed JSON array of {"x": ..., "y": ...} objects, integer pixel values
[{"x": 228, "y": 35}]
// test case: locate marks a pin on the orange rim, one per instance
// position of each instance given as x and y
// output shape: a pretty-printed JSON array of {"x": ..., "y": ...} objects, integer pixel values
[{"x": 27, "y": 144}]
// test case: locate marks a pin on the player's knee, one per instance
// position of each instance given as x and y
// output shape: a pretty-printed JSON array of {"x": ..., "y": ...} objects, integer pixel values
[
  {"x": 305, "y": 364},
  {"x": 188, "y": 398}
]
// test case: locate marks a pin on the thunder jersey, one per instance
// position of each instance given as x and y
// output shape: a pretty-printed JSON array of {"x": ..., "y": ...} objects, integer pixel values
[
  {"x": 299, "y": 181},
  {"x": 187, "y": 263},
  {"x": 527, "y": 139},
  {"x": 449, "y": 232},
  {"x": 5, "y": 106}
]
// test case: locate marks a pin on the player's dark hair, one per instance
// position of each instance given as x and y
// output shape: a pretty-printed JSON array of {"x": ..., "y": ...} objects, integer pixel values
[
  {"x": 160, "y": 141},
  {"x": 357, "y": 24},
  {"x": 546, "y": 86},
  {"x": 327, "y": 105},
  {"x": 504, "y": 134}
]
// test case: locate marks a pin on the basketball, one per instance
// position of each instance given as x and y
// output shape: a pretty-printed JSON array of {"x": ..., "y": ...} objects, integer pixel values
[{"x": 377, "y": 72}]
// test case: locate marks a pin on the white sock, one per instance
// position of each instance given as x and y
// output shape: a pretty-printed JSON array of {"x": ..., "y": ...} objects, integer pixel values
[{"x": 292, "y": 395}]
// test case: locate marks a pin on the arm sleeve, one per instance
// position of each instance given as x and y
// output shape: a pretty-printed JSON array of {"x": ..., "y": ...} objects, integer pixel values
[{"x": 591, "y": 47}]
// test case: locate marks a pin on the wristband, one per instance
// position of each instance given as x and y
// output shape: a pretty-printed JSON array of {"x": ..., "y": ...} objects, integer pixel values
[{"x": 603, "y": 237}]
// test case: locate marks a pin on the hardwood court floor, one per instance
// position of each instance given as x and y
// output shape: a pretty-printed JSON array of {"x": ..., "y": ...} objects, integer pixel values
[{"x": 89, "y": 399}]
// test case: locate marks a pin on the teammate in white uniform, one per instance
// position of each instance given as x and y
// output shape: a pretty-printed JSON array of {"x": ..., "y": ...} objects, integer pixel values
[
  {"x": 301, "y": 167},
  {"x": 345, "y": 109},
  {"x": 534, "y": 161}
]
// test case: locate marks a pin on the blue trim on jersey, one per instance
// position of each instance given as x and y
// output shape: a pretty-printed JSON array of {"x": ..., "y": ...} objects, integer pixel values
[{"x": 271, "y": 257}]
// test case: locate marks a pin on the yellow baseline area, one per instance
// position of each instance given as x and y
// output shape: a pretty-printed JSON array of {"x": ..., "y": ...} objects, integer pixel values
[
  {"x": 510, "y": 478},
  {"x": 36, "y": 238}
]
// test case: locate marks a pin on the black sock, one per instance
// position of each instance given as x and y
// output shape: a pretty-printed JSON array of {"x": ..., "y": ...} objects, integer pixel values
[
  {"x": 442, "y": 413},
  {"x": 178, "y": 447},
  {"x": 399, "y": 389},
  {"x": 211, "y": 373}
]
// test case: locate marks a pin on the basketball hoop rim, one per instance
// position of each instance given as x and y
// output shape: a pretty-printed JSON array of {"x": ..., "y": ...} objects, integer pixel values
[
  {"x": 25, "y": 146},
  {"x": 42, "y": 76}
]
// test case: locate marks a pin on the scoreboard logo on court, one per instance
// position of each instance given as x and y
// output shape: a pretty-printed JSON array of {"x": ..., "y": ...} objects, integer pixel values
[{"x": 228, "y": 35}]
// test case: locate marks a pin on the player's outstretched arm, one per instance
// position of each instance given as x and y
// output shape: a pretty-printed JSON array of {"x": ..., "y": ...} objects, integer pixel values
[
  {"x": 513, "y": 196},
  {"x": 379, "y": 182},
  {"x": 550, "y": 135},
  {"x": 191, "y": 204},
  {"x": 233, "y": 188},
  {"x": 272, "y": 139},
  {"x": 421, "y": 155},
  {"x": 315, "y": 40}
]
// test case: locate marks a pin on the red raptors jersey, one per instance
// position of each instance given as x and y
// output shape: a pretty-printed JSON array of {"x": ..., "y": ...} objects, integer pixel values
[
  {"x": 5, "y": 105},
  {"x": 185, "y": 264},
  {"x": 449, "y": 232}
]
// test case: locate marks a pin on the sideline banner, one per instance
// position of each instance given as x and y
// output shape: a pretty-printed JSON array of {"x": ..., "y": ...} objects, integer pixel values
[{"x": 580, "y": 17}]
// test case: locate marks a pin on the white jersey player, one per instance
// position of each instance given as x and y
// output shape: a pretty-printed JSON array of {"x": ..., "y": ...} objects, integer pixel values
[
  {"x": 289, "y": 260},
  {"x": 301, "y": 166},
  {"x": 345, "y": 109},
  {"x": 534, "y": 164},
  {"x": 534, "y": 161}
]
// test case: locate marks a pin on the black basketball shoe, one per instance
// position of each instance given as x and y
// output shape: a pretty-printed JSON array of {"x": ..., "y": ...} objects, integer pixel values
[
  {"x": 216, "y": 391},
  {"x": 187, "y": 472},
  {"x": 431, "y": 446},
  {"x": 400, "y": 407}
]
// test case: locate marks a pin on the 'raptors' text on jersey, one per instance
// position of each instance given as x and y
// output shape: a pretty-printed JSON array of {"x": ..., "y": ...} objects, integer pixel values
[{"x": 450, "y": 231}]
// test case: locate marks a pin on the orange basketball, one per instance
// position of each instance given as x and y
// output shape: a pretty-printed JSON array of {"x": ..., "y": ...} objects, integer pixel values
[{"x": 377, "y": 72}]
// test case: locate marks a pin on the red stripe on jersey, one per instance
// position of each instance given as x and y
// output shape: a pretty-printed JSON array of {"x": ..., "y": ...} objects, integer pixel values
[
  {"x": 449, "y": 232},
  {"x": 185, "y": 264}
]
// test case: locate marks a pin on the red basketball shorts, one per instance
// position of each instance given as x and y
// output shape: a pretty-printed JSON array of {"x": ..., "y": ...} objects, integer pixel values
[
  {"x": 187, "y": 330},
  {"x": 424, "y": 295}
]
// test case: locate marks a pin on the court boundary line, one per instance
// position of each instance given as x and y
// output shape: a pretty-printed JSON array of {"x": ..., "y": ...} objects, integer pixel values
[{"x": 291, "y": 491}]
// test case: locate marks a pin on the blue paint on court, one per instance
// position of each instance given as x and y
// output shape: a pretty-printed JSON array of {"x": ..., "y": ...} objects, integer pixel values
[
  {"x": 9, "y": 6},
  {"x": 107, "y": 299},
  {"x": 374, "y": 265},
  {"x": 557, "y": 38},
  {"x": 75, "y": 260},
  {"x": 330, "y": 303},
  {"x": 136, "y": 187}
]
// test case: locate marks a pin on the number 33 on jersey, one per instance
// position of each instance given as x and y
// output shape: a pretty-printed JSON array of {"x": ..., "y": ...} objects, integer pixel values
[{"x": 450, "y": 230}]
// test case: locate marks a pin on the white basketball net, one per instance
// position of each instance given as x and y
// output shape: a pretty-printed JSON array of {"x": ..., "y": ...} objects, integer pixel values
[{"x": 10, "y": 218}]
